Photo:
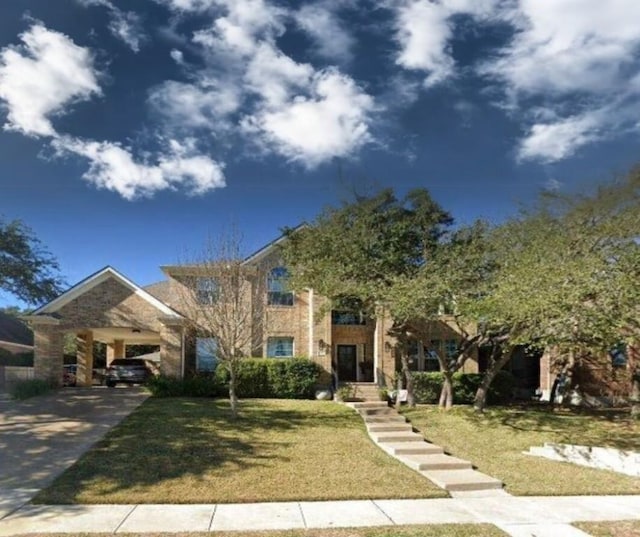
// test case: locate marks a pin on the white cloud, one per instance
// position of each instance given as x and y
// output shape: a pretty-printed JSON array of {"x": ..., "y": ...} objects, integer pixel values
[
  {"x": 569, "y": 46},
  {"x": 577, "y": 55},
  {"x": 177, "y": 56},
  {"x": 554, "y": 141},
  {"x": 128, "y": 27},
  {"x": 332, "y": 122},
  {"x": 125, "y": 25},
  {"x": 39, "y": 78},
  {"x": 424, "y": 29},
  {"x": 423, "y": 32},
  {"x": 279, "y": 104},
  {"x": 188, "y": 5},
  {"x": 333, "y": 41},
  {"x": 275, "y": 76},
  {"x": 114, "y": 168},
  {"x": 187, "y": 106}
]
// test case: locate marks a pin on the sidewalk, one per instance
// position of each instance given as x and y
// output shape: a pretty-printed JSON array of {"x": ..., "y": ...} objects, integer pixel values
[{"x": 518, "y": 516}]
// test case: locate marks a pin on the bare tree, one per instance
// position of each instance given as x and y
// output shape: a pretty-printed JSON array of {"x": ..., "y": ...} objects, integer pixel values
[{"x": 224, "y": 300}]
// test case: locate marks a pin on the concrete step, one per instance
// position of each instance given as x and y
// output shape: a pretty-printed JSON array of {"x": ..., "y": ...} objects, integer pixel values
[
  {"x": 413, "y": 448},
  {"x": 384, "y": 418},
  {"x": 369, "y": 404},
  {"x": 437, "y": 461},
  {"x": 388, "y": 427},
  {"x": 376, "y": 411},
  {"x": 457, "y": 480},
  {"x": 392, "y": 437}
]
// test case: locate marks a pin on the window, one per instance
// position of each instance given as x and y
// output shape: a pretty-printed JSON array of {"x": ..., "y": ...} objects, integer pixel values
[
  {"x": 451, "y": 348},
  {"x": 206, "y": 353},
  {"x": 278, "y": 293},
  {"x": 279, "y": 347},
  {"x": 427, "y": 361},
  {"x": 347, "y": 318},
  {"x": 619, "y": 355},
  {"x": 207, "y": 291}
]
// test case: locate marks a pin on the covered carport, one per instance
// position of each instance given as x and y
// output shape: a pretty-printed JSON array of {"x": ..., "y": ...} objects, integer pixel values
[{"x": 110, "y": 308}]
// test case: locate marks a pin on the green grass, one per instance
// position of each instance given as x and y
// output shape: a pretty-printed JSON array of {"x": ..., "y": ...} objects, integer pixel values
[
  {"x": 621, "y": 528},
  {"x": 440, "y": 530},
  {"x": 187, "y": 451},
  {"x": 494, "y": 442}
]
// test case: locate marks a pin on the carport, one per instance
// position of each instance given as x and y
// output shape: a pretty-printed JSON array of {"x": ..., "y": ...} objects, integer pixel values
[{"x": 110, "y": 308}]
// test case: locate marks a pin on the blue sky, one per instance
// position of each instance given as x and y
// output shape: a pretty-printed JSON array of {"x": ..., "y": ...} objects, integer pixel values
[{"x": 132, "y": 130}]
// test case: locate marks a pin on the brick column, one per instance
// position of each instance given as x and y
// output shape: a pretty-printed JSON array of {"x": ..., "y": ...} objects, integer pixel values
[
  {"x": 171, "y": 350},
  {"x": 84, "y": 374},
  {"x": 48, "y": 353}
]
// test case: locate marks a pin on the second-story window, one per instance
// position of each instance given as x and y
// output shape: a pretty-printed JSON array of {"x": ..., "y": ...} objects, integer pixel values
[
  {"x": 207, "y": 291},
  {"x": 278, "y": 292},
  {"x": 347, "y": 318}
]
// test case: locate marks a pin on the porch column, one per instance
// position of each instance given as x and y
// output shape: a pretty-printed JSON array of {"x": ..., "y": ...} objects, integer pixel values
[
  {"x": 48, "y": 353},
  {"x": 115, "y": 350},
  {"x": 84, "y": 374}
]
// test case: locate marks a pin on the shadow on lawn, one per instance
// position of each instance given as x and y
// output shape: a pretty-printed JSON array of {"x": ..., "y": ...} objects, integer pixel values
[
  {"x": 593, "y": 427},
  {"x": 176, "y": 438}
]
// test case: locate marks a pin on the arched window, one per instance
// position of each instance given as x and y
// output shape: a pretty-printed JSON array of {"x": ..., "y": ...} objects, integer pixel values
[{"x": 278, "y": 293}]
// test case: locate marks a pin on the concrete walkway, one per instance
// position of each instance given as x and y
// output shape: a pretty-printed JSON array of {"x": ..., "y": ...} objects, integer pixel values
[
  {"x": 391, "y": 432},
  {"x": 42, "y": 436},
  {"x": 518, "y": 516}
]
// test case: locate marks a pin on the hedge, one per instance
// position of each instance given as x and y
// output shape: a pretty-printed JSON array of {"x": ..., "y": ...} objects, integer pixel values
[
  {"x": 294, "y": 378},
  {"x": 427, "y": 387},
  {"x": 200, "y": 385}
]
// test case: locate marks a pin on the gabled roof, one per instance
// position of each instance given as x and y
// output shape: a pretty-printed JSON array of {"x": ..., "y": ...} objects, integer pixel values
[
  {"x": 267, "y": 249},
  {"x": 97, "y": 278}
]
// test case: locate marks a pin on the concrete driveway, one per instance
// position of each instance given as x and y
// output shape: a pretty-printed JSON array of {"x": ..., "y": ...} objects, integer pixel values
[{"x": 41, "y": 437}]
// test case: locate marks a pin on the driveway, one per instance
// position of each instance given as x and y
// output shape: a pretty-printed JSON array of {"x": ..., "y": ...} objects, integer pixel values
[{"x": 43, "y": 436}]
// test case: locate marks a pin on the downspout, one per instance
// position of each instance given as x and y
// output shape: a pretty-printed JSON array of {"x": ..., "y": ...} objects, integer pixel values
[
  {"x": 376, "y": 350},
  {"x": 182, "y": 354},
  {"x": 311, "y": 346}
]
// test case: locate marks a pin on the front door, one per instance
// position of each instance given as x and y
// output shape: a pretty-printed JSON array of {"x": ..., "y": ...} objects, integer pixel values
[{"x": 347, "y": 363}]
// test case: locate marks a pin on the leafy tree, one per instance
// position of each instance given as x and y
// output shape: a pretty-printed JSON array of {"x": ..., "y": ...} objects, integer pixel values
[
  {"x": 27, "y": 270},
  {"x": 358, "y": 251},
  {"x": 568, "y": 273},
  {"x": 445, "y": 293}
]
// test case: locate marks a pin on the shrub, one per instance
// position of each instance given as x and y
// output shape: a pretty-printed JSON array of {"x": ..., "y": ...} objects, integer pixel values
[
  {"x": 23, "y": 389},
  {"x": 294, "y": 378},
  {"x": 427, "y": 387},
  {"x": 200, "y": 385}
]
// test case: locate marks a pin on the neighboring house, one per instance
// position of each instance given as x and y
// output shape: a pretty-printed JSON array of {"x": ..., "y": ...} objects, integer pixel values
[
  {"x": 110, "y": 308},
  {"x": 15, "y": 336}
]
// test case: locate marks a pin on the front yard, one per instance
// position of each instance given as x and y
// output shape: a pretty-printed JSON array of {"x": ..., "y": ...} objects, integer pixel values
[
  {"x": 494, "y": 442},
  {"x": 187, "y": 451}
]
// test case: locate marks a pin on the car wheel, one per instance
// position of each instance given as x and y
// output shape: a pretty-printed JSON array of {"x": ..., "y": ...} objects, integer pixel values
[{"x": 111, "y": 384}]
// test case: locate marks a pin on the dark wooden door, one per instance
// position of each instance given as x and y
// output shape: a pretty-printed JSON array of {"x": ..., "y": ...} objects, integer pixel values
[{"x": 347, "y": 363}]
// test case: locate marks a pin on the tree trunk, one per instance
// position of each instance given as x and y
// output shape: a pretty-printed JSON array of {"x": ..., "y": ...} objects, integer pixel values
[
  {"x": 480, "y": 401},
  {"x": 398, "y": 388},
  {"x": 233, "y": 397},
  {"x": 446, "y": 394},
  {"x": 635, "y": 393},
  {"x": 406, "y": 372}
]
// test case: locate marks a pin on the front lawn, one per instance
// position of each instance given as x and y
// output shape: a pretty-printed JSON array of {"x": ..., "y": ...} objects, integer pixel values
[
  {"x": 494, "y": 442},
  {"x": 187, "y": 451},
  {"x": 621, "y": 528}
]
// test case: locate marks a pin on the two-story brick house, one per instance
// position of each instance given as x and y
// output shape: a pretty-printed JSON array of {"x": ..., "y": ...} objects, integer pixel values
[{"x": 109, "y": 307}]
